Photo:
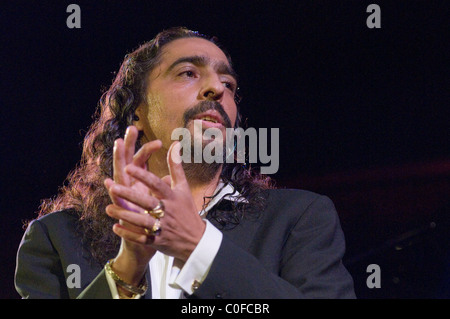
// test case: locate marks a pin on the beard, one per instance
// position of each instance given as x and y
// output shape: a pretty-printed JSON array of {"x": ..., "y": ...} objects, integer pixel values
[
  {"x": 201, "y": 173},
  {"x": 204, "y": 172}
]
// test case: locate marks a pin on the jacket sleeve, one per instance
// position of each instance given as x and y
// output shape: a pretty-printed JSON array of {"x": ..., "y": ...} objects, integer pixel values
[
  {"x": 40, "y": 273},
  {"x": 97, "y": 289},
  {"x": 310, "y": 266}
]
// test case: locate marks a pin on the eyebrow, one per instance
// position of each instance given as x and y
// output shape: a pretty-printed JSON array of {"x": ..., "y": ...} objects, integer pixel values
[{"x": 201, "y": 61}]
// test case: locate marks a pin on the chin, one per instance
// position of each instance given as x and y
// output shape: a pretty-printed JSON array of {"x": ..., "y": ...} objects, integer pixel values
[{"x": 201, "y": 173}]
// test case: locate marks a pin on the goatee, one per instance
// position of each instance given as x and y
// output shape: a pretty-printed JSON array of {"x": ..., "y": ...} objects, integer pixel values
[{"x": 203, "y": 172}]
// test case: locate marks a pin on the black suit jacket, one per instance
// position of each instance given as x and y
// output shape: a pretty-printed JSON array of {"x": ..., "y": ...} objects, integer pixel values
[{"x": 293, "y": 249}]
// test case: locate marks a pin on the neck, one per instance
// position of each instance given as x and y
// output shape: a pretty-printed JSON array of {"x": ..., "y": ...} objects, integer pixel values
[
  {"x": 200, "y": 188},
  {"x": 157, "y": 164}
]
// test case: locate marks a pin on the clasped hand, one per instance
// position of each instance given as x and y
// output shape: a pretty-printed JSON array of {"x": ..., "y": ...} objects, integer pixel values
[{"x": 135, "y": 190}]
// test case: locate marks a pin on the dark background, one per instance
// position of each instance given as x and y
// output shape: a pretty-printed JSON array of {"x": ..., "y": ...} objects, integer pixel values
[{"x": 363, "y": 113}]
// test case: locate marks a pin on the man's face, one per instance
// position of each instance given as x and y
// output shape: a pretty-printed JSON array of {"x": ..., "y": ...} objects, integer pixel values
[{"x": 192, "y": 72}]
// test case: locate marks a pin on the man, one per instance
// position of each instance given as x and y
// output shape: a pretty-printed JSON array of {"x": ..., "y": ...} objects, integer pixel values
[{"x": 146, "y": 224}]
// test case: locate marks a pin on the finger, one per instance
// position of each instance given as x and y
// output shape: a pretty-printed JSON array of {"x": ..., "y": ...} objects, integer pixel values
[
  {"x": 131, "y": 227},
  {"x": 127, "y": 217},
  {"x": 116, "y": 200},
  {"x": 159, "y": 188},
  {"x": 130, "y": 235},
  {"x": 175, "y": 165},
  {"x": 119, "y": 163},
  {"x": 166, "y": 179},
  {"x": 145, "y": 201},
  {"x": 143, "y": 155},
  {"x": 130, "y": 143}
]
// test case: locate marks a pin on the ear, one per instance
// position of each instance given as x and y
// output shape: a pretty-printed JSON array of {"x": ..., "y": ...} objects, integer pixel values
[{"x": 138, "y": 117}]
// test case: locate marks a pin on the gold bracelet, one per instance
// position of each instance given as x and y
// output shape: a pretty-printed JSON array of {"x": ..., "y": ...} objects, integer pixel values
[{"x": 141, "y": 290}]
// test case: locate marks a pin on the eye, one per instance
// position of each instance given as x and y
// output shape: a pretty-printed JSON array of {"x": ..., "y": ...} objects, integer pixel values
[
  {"x": 187, "y": 73},
  {"x": 230, "y": 85}
]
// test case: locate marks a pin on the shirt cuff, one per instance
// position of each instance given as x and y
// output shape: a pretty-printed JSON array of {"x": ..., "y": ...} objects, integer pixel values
[
  {"x": 112, "y": 286},
  {"x": 197, "y": 266}
]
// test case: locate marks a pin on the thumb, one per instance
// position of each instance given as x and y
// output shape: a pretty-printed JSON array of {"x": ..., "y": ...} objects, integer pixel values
[
  {"x": 175, "y": 165},
  {"x": 166, "y": 179}
]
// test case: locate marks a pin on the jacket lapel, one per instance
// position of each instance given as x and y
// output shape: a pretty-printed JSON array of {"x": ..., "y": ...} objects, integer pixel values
[{"x": 241, "y": 231}]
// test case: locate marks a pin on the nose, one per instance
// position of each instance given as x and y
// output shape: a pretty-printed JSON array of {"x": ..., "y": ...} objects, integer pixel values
[{"x": 212, "y": 89}]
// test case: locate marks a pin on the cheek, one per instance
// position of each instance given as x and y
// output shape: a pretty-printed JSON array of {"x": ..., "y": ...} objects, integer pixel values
[
  {"x": 162, "y": 110},
  {"x": 155, "y": 111},
  {"x": 232, "y": 113},
  {"x": 176, "y": 101}
]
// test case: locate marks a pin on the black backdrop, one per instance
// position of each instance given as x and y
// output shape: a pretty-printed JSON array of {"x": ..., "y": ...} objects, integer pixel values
[{"x": 345, "y": 97}]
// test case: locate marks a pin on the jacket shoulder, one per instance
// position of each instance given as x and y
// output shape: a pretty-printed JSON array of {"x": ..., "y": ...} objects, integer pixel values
[
  {"x": 295, "y": 203},
  {"x": 59, "y": 216},
  {"x": 299, "y": 194},
  {"x": 297, "y": 197}
]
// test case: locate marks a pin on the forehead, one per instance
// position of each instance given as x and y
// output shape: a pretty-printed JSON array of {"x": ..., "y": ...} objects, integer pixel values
[{"x": 191, "y": 47}]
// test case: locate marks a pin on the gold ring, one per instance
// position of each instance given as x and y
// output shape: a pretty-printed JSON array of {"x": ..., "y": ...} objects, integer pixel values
[
  {"x": 156, "y": 229},
  {"x": 158, "y": 211}
]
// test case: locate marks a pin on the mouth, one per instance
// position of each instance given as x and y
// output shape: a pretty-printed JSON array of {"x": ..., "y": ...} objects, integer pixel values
[
  {"x": 212, "y": 119},
  {"x": 209, "y": 119}
]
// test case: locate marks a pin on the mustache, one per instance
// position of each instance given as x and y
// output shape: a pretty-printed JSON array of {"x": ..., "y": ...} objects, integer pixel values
[{"x": 204, "y": 106}]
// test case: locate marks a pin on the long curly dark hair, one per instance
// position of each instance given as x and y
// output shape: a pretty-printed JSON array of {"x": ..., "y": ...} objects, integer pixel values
[{"x": 83, "y": 191}]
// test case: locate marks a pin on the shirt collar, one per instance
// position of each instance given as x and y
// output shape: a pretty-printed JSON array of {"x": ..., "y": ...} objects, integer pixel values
[{"x": 224, "y": 191}]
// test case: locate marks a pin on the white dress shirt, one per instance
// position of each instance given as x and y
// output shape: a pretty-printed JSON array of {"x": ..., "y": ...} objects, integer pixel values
[{"x": 169, "y": 281}]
